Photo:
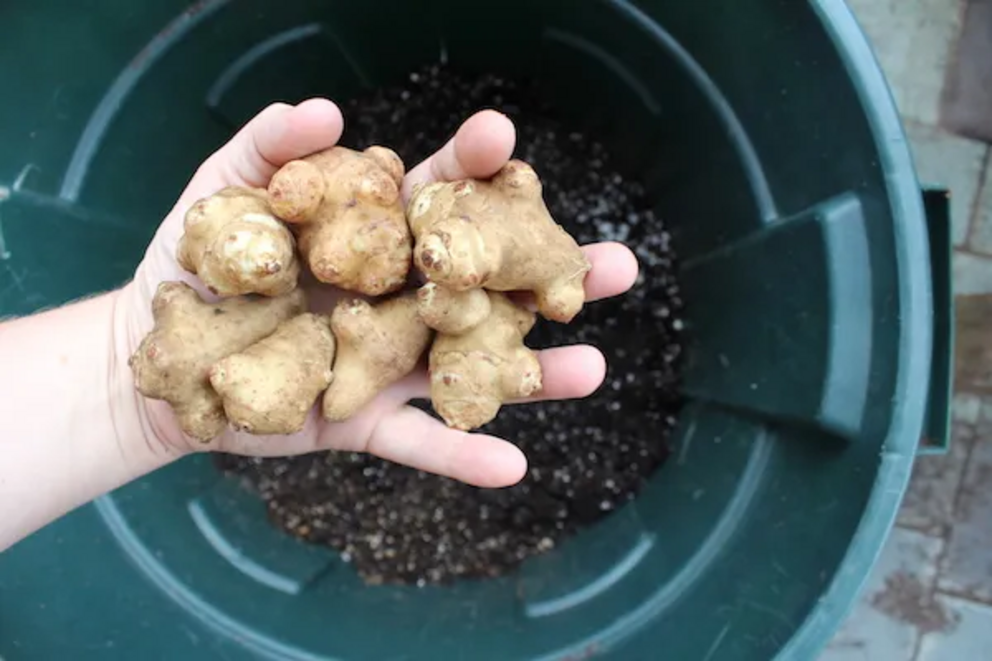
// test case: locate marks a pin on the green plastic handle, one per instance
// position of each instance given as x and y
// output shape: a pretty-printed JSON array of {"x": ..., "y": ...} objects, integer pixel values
[{"x": 936, "y": 430}]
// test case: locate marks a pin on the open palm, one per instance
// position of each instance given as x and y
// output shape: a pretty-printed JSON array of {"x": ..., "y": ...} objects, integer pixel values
[{"x": 388, "y": 426}]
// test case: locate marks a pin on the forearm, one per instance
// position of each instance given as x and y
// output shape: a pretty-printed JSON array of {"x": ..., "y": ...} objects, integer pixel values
[{"x": 72, "y": 426}]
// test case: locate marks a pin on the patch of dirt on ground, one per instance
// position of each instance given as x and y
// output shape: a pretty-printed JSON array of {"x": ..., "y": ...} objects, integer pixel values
[{"x": 906, "y": 599}]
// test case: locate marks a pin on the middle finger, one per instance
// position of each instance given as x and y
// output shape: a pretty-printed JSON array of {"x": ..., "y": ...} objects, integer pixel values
[{"x": 571, "y": 372}]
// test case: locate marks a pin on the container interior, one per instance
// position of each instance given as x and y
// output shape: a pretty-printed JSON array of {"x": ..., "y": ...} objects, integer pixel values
[{"x": 742, "y": 121}]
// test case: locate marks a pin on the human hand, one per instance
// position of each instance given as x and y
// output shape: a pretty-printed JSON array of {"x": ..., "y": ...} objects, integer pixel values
[{"x": 387, "y": 427}]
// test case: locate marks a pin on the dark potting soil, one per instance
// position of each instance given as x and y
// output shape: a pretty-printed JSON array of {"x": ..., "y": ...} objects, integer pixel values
[{"x": 586, "y": 457}]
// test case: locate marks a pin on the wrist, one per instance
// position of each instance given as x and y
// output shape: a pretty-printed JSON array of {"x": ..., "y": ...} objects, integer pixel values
[{"x": 74, "y": 427}]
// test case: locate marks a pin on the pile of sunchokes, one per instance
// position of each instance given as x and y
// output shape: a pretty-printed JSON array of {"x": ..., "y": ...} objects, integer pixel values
[{"x": 445, "y": 276}]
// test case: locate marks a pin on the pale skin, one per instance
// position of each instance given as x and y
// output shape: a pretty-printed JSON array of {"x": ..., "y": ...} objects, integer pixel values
[{"x": 72, "y": 427}]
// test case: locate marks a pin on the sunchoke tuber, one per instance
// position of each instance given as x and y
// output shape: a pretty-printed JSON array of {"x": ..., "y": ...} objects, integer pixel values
[
  {"x": 260, "y": 362},
  {"x": 450, "y": 311},
  {"x": 348, "y": 215},
  {"x": 173, "y": 361},
  {"x": 377, "y": 345},
  {"x": 270, "y": 387},
  {"x": 236, "y": 246},
  {"x": 498, "y": 235},
  {"x": 475, "y": 371}
]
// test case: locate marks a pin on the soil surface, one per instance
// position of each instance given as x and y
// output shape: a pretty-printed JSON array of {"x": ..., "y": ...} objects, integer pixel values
[{"x": 586, "y": 457}]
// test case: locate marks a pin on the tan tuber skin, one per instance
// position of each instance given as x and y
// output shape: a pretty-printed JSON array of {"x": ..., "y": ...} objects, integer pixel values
[
  {"x": 348, "y": 216},
  {"x": 377, "y": 346},
  {"x": 498, "y": 235},
  {"x": 475, "y": 371},
  {"x": 236, "y": 246},
  {"x": 449, "y": 311},
  {"x": 270, "y": 387},
  {"x": 261, "y": 363},
  {"x": 173, "y": 362}
]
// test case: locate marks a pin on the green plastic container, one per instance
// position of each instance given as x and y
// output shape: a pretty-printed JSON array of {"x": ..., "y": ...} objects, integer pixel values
[{"x": 818, "y": 317}]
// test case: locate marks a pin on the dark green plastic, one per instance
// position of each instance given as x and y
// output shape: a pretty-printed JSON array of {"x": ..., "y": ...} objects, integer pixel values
[
  {"x": 767, "y": 137},
  {"x": 937, "y": 428}
]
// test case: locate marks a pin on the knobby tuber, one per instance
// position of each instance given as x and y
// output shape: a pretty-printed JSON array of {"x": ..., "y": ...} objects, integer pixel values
[
  {"x": 236, "y": 246},
  {"x": 377, "y": 346},
  {"x": 260, "y": 363},
  {"x": 173, "y": 361},
  {"x": 270, "y": 387},
  {"x": 475, "y": 370},
  {"x": 348, "y": 215},
  {"x": 498, "y": 235},
  {"x": 450, "y": 311}
]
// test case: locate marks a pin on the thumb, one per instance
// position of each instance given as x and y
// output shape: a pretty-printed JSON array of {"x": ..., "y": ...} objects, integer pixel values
[{"x": 278, "y": 134}]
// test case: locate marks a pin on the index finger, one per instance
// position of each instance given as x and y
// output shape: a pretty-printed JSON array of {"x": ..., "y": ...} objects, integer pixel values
[{"x": 482, "y": 145}]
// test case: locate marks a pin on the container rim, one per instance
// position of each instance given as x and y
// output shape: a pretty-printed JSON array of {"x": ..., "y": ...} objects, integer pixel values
[{"x": 916, "y": 339}]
